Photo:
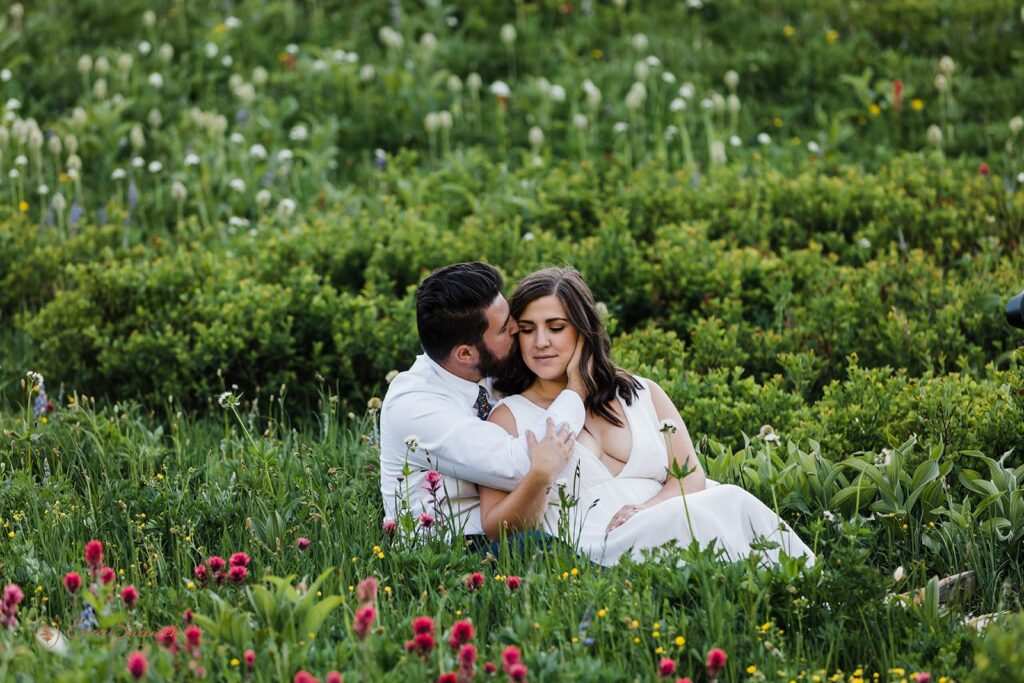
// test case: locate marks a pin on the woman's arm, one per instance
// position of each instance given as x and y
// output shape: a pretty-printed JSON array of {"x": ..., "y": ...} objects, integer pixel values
[
  {"x": 682, "y": 452},
  {"x": 524, "y": 506}
]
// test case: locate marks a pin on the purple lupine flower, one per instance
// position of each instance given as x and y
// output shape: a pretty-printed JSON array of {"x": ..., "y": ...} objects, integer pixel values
[
  {"x": 76, "y": 214},
  {"x": 133, "y": 195},
  {"x": 101, "y": 216}
]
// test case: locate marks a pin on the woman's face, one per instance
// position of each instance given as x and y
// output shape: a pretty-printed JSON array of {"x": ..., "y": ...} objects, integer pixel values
[{"x": 546, "y": 337}]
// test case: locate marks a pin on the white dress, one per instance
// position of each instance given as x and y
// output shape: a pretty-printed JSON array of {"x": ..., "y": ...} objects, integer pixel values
[{"x": 723, "y": 513}]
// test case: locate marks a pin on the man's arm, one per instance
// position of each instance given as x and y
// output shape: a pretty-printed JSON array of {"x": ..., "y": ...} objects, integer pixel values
[
  {"x": 461, "y": 445},
  {"x": 525, "y": 505}
]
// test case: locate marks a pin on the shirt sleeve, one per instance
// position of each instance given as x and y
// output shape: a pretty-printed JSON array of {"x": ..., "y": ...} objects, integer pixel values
[{"x": 458, "y": 444}]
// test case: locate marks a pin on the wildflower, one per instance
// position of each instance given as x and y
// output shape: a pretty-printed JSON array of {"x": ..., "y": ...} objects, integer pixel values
[
  {"x": 118, "y": 174},
  {"x": 828, "y": 516},
  {"x": 94, "y": 554},
  {"x": 423, "y": 643},
  {"x": 422, "y": 625},
  {"x": 467, "y": 657},
  {"x": 167, "y": 637},
  {"x": 764, "y": 138},
  {"x": 72, "y": 582},
  {"x": 814, "y": 148},
  {"x": 490, "y": 668},
  {"x": 983, "y": 169},
  {"x": 155, "y": 167},
  {"x": 517, "y": 672},
  {"x": 186, "y": 617},
  {"x": 137, "y": 664},
  {"x": 947, "y": 65},
  {"x": 558, "y": 93},
  {"x": 201, "y": 573},
  {"x": 462, "y": 633},
  {"x": 389, "y": 527},
  {"x": 302, "y": 543},
  {"x": 193, "y": 636},
  {"x": 298, "y": 133},
  {"x": 917, "y": 104},
  {"x": 366, "y": 590},
  {"x": 475, "y": 580},
  {"x": 130, "y": 596},
  {"x": 897, "y": 94},
  {"x": 536, "y": 137},
  {"x": 238, "y": 573},
  {"x": 508, "y": 35},
  {"x": 237, "y": 184},
  {"x": 666, "y": 667},
  {"x": 333, "y": 677},
  {"x": 1016, "y": 125},
  {"x": 639, "y": 42},
  {"x": 716, "y": 662},
  {"x": 449, "y": 677},
  {"x": 898, "y": 575},
  {"x": 226, "y": 400},
  {"x": 426, "y": 520},
  {"x": 513, "y": 583},
  {"x": 250, "y": 659},
  {"x": 941, "y": 83},
  {"x": 923, "y": 677},
  {"x": 788, "y": 31},
  {"x": 510, "y": 656},
  {"x": 215, "y": 563},
  {"x": 106, "y": 575},
  {"x": 732, "y": 79},
  {"x": 934, "y": 135},
  {"x": 156, "y": 80},
  {"x": 179, "y": 193},
  {"x": 501, "y": 90},
  {"x": 304, "y": 677},
  {"x": 285, "y": 209},
  {"x": 239, "y": 560}
]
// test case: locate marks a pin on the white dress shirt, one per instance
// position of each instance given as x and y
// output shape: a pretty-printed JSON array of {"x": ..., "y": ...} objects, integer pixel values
[{"x": 436, "y": 407}]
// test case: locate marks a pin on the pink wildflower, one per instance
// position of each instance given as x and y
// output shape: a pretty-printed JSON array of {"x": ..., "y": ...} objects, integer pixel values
[
  {"x": 129, "y": 596},
  {"x": 302, "y": 543},
  {"x": 366, "y": 590},
  {"x": 137, "y": 665},
  {"x": 72, "y": 582},
  {"x": 94, "y": 554}
]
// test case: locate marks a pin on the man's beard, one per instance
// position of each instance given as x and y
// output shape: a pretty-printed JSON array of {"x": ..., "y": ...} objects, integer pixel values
[{"x": 489, "y": 365}]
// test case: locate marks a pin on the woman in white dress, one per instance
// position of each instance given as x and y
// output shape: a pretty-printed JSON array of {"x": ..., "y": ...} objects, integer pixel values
[{"x": 625, "y": 500}]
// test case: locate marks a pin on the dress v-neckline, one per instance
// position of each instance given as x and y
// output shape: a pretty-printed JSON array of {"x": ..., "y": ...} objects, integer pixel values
[{"x": 595, "y": 456}]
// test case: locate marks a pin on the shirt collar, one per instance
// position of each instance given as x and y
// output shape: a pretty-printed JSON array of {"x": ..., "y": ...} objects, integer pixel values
[{"x": 465, "y": 388}]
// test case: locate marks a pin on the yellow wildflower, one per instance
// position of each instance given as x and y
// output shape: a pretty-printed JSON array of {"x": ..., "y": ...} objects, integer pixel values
[
  {"x": 917, "y": 104},
  {"x": 596, "y": 54},
  {"x": 832, "y": 36},
  {"x": 680, "y": 641},
  {"x": 234, "y": 661},
  {"x": 602, "y": 613},
  {"x": 875, "y": 110},
  {"x": 788, "y": 31},
  {"x": 23, "y": 206}
]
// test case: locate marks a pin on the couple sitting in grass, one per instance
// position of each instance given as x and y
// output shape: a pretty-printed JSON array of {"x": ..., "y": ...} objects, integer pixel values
[{"x": 515, "y": 420}]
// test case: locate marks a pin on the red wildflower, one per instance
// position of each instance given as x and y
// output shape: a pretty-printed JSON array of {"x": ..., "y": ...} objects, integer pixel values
[
  {"x": 467, "y": 656},
  {"x": 334, "y": 677},
  {"x": 716, "y": 661},
  {"x": 72, "y": 582},
  {"x": 220, "y": 577},
  {"x": 239, "y": 560},
  {"x": 489, "y": 668},
  {"x": 423, "y": 625},
  {"x": 94, "y": 554},
  {"x": 238, "y": 573},
  {"x": 897, "y": 94},
  {"x": 422, "y": 643},
  {"x": 366, "y": 590},
  {"x": 389, "y": 526},
  {"x": 250, "y": 658},
  {"x": 303, "y": 677},
  {"x": 426, "y": 520},
  {"x": 302, "y": 542},
  {"x": 201, "y": 573},
  {"x": 462, "y": 633},
  {"x": 129, "y": 596},
  {"x": 510, "y": 656},
  {"x": 433, "y": 481},
  {"x": 186, "y": 617},
  {"x": 137, "y": 665},
  {"x": 193, "y": 636},
  {"x": 683, "y": 680},
  {"x": 517, "y": 672},
  {"x": 983, "y": 169},
  {"x": 215, "y": 563},
  {"x": 666, "y": 667},
  {"x": 365, "y": 617},
  {"x": 107, "y": 575},
  {"x": 168, "y": 638},
  {"x": 513, "y": 583},
  {"x": 475, "y": 580},
  {"x": 923, "y": 677},
  {"x": 449, "y": 677},
  {"x": 12, "y": 595}
]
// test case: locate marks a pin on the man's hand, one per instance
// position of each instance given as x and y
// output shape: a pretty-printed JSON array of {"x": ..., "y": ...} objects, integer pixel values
[
  {"x": 573, "y": 370},
  {"x": 624, "y": 514},
  {"x": 552, "y": 453}
]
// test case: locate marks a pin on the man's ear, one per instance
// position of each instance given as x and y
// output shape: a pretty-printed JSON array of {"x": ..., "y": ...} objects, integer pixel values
[{"x": 464, "y": 354}]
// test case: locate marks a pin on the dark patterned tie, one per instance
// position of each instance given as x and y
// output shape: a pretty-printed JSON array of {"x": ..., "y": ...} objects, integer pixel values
[{"x": 482, "y": 405}]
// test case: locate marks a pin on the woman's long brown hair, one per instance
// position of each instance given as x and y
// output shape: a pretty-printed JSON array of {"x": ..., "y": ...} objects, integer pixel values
[{"x": 602, "y": 378}]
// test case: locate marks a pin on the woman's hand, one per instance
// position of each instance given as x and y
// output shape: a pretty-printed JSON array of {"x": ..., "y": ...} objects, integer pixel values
[
  {"x": 573, "y": 372},
  {"x": 624, "y": 514}
]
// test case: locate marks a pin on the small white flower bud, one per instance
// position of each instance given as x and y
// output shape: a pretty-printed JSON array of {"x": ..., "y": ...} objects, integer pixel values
[
  {"x": 445, "y": 120},
  {"x": 99, "y": 89},
  {"x": 210, "y": 50},
  {"x": 237, "y": 184},
  {"x": 430, "y": 123},
  {"x": 179, "y": 192},
  {"x": 454, "y": 84},
  {"x": 508, "y": 35},
  {"x": 154, "y": 118},
  {"x": 145, "y": 48},
  {"x": 718, "y": 152},
  {"x": 71, "y": 143},
  {"x": 641, "y": 70},
  {"x": 366, "y": 73},
  {"x": 125, "y": 61},
  {"x": 677, "y": 105},
  {"x": 947, "y": 65},
  {"x": 260, "y": 76},
  {"x": 285, "y": 209},
  {"x": 580, "y": 121},
  {"x": 934, "y": 136},
  {"x": 474, "y": 82},
  {"x": 137, "y": 138},
  {"x": 558, "y": 93},
  {"x": 78, "y": 116},
  {"x": 428, "y": 42},
  {"x": 263, "y": 198},
  {"x": 191, "y": 159},
  {"x": 258, "y": 151},
  {"x": 1016, "y": 124},
  {"x": 149, "y": 18},
  {"x": 74, "y": 163},
  {"x": 732, "y": 79},
  {"x": 536, "y": 137},
  {"x": 941, "y": 83},
  {"x": 102, "y": 66},
  {"x": 58, "y": 203},
  {"x": 166, "y": 52},
  {"x": 733, "y": 102},
  {"x": 155, "y": 167},
  {"x": 764, "y": 138},
  {"x": 156, "y": 80},
  {"x": 85, "y": 65},
  {"x": 639, "y": 42},
  {"x": 686, "y": 90},
  {"x": 54, "y": 145},
  {"x": 620, "y": 127}
]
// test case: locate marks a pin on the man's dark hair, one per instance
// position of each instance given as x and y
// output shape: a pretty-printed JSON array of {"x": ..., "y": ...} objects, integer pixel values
[{"x": 451, "y": 305}]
